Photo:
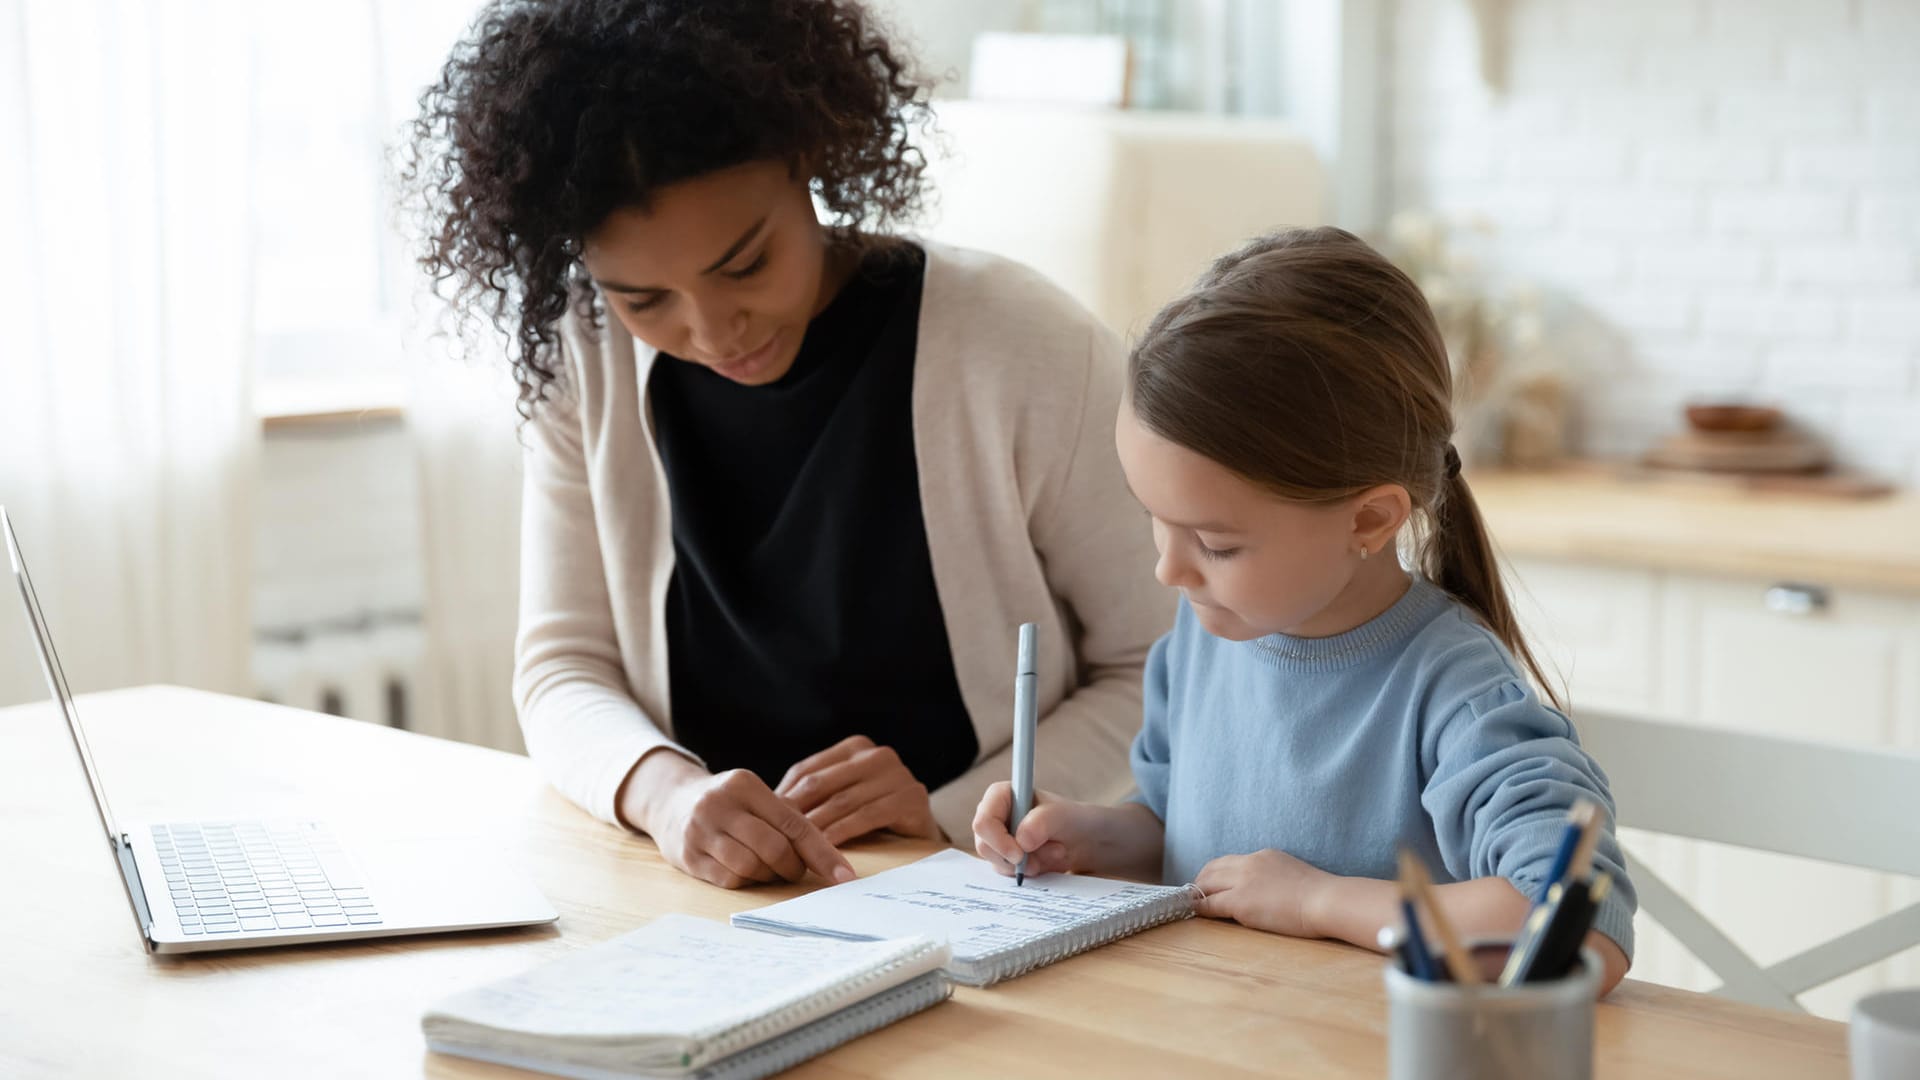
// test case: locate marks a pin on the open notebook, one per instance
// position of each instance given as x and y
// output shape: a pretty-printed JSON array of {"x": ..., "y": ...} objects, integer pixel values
[
  {"x": 997, "y": 930},
  {"x": 688, "y": 997}
]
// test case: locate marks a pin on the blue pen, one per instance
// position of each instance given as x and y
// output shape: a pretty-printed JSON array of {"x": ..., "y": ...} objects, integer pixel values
[
  {"x": 1417, "y": 953},
  {"x": 1025, "y": 718}
]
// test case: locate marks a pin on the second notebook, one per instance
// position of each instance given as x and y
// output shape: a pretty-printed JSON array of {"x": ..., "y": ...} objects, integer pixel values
[{"x": 997, "y": 930}]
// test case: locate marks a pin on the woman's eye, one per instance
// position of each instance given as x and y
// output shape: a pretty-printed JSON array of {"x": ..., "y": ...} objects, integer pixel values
[
  {"x": 647, "y": 304},
  {"x": 759, "y": 263}
]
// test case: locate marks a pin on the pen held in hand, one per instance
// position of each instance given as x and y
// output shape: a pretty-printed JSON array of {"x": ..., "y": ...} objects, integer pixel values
[{"x": 1025, "y": 720}]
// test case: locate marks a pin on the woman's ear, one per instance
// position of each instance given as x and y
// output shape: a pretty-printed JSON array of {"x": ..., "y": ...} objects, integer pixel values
[{"x": 1378, "y": 513}]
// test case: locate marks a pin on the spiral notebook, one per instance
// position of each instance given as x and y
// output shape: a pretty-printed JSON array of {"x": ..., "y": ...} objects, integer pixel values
[
  {"x": 690, "y": 998},
  {"x": 997, "y": 929}
]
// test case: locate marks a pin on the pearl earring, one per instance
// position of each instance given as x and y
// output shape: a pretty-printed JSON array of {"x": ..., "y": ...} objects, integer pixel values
[{"x": 1363, "y": 554}]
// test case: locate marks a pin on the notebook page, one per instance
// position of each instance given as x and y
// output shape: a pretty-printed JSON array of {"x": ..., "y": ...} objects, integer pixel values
[
  {"x": 958, "y": 897},
  {"x": 678, "y": 978}
]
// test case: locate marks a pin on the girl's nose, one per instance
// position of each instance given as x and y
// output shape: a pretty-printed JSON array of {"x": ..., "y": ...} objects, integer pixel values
[{"x": 1172, "y": 570}]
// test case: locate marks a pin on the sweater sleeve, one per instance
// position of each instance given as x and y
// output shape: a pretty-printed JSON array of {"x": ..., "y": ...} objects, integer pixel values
[
  {"x": 1505, "y": 769},
  {"x": 1152, "y": 756},
  {"x": 582, "y": 725},
  {"x": 1098, "y": 554}
]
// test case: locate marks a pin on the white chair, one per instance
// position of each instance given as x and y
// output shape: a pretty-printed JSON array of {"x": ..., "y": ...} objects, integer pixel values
[{"x": 1853, "y": 807}]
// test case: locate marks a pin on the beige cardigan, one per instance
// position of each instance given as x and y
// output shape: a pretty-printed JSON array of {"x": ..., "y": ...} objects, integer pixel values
[{"x": 1027, "y": 518}]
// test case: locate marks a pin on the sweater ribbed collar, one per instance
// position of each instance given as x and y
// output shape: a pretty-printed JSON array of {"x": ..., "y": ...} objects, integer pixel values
[{"x": 1420, "y": 605}]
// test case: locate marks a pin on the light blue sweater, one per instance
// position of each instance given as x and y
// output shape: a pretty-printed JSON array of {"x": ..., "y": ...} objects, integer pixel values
[{"x": 1416, "y": 727}]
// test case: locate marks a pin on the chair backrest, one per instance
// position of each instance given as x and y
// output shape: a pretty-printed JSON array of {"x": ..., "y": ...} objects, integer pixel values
[{"x": 1853, "y": 806}]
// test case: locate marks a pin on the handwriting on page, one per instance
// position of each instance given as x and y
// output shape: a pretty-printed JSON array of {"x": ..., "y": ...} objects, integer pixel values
[
  {"x": 958, "y": 897},
  {"x": 1031, "y": 905}
]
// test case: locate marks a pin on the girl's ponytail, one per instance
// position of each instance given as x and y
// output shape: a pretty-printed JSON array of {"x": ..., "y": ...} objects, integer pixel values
[{"x": 1459, "y": 558}]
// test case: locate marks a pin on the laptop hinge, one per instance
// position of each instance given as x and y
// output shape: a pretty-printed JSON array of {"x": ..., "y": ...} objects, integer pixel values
[{"x": 136, "y": 891}]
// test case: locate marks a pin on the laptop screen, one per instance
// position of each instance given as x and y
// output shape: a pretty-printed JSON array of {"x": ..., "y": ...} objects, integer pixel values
[{"x": 56, "y": 676}]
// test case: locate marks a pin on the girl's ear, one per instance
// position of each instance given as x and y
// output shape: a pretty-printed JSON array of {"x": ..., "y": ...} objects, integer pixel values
[{"x": 1378, "y": 513}]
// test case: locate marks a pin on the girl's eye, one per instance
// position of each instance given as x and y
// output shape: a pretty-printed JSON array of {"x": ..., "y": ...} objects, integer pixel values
[
  {"x": 1218, "y": 554},
  {"x": 759, "y": 263}
]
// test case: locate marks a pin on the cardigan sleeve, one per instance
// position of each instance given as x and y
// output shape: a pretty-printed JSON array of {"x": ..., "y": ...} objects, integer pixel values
[
  {"x": 582, "y": 724},
  {"x": 1097, "y": 553}
]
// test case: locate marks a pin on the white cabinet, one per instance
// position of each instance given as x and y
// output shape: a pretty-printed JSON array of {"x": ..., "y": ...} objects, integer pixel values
[
  {"x": 1593, "y": 629},
  {"x": 1840, "y": 665}
]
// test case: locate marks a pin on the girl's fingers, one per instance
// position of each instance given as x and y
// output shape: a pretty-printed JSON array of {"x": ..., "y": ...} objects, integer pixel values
[
  {"x": 1049, "y": 858},
  {"x": 1215, "y": 905}
]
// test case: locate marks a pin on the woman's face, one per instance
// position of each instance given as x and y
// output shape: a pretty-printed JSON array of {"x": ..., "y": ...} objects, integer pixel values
[{"x": 724, "y": 270}]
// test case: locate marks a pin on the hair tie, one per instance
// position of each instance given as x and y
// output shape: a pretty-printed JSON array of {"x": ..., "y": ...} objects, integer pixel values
[{"x": 1453, "y": 462}]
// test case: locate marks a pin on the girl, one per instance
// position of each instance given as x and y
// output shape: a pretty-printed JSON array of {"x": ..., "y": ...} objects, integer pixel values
[
  {"x": 791, "y": 480},
  {"x": 1315, "y": 705}
]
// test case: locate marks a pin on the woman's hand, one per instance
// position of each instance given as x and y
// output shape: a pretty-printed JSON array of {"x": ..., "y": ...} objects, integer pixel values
[
  {"x": 729, "y": 829},
  {"x": 1267, "y": 890},
  {"x": 854, "y": 787}
]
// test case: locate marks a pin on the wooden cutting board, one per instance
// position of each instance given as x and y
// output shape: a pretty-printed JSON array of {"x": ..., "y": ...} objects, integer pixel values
[{"x": 1775, "y": 451}]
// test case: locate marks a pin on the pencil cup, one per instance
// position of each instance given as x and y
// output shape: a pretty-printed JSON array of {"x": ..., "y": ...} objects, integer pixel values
[{"x": 1449, "y": 1031}]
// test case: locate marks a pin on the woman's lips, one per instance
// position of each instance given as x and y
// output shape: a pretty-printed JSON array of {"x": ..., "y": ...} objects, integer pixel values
[{"x": 745, "y": 367}]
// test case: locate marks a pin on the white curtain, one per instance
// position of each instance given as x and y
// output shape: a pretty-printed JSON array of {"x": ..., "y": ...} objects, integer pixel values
[
  {"x": 461, "y": 418},
  {"x": 127, "y": 438}
]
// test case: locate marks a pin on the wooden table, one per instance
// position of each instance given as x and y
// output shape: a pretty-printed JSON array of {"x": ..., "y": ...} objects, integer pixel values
[{"x": 81, "y": 998}]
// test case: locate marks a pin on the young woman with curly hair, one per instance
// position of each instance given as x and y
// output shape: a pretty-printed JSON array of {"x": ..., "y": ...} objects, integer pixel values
[{"x": 786, "y": 506}]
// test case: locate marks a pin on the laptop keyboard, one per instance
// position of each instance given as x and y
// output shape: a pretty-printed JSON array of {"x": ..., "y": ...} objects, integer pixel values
[{"x": 247, "y": 875}]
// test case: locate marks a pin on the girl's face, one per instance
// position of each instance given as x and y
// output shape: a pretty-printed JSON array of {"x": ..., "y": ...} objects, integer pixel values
[
  {"x": 724, "y": 270},
  {"x": 1249, "y": 562}
]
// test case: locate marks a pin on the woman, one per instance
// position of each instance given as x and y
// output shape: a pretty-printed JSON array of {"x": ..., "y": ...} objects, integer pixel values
[{"x": 785, "y": 508}]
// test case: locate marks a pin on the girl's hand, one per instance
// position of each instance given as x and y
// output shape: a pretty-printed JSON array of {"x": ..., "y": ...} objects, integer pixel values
[
  {"x": 855, "y": 787},
  {"x": 1051, "y": 836},
  {"x": 1268, "y": 890}
]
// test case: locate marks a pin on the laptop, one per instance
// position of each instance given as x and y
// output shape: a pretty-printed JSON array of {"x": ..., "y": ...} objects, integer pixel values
[{"x": 198, "y": 886}]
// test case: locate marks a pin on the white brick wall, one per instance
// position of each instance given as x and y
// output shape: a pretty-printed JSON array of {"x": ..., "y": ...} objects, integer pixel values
[{"x": 1726, "y": 191}]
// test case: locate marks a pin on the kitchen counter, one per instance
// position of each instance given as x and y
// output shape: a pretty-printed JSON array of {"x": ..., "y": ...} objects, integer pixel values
[{"x": 1605, "y": 514}]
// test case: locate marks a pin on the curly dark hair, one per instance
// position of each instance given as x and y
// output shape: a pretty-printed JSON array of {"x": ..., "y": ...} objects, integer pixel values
[{"x": 552, "y": 114}]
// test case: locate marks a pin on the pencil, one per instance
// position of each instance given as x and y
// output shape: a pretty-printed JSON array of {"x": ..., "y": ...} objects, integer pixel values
[{"x": 1581, "y": 865}]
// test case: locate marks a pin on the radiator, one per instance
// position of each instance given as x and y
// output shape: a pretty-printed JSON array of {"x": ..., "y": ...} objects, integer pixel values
[{"x": 365, "y": 667}]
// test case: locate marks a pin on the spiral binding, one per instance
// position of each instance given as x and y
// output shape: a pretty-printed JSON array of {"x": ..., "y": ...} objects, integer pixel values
[
  {"x": 812, "y": 1005},
  {"x": 1149, "y": 913},
  {"x": 915, "y": 995}
]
